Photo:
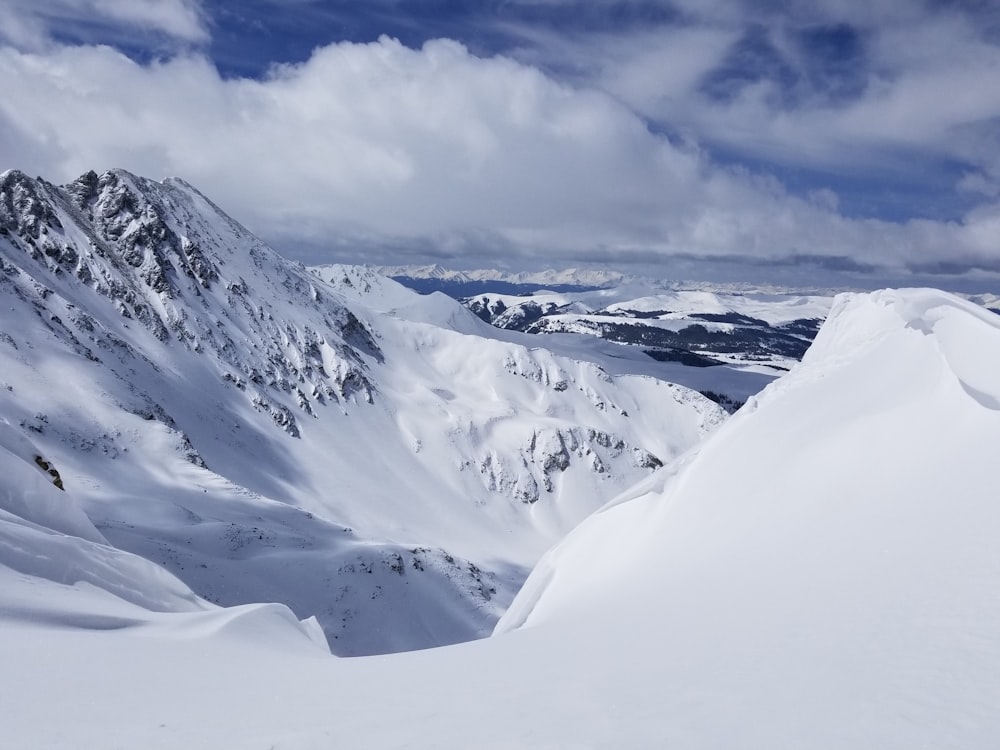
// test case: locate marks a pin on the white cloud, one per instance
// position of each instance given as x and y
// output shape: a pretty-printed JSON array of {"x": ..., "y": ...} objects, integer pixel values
[
  {"x": 979, "y": 184},
  {"x": 650, "y": 70},
  {"x": 922, "y": 81},
  {"x": 21, "y": 28},
  {"x": 429, "y": 149},
  {"x": 30, "y": 24},
  {"x": 930, "y": 90},
  {"x": 181, "y": 19}
]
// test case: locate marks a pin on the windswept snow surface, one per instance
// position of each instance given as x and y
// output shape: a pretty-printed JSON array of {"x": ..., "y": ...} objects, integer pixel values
[
  {"x": 821, "y": 573},
  {"x": 58, "y": 572}
]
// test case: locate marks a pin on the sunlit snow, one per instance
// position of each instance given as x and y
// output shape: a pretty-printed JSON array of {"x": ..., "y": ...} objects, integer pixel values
[{"x": 819, "y": 570}]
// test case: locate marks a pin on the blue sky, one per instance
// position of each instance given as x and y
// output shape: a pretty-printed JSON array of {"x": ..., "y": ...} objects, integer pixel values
[{"x": 852, "y": 141}]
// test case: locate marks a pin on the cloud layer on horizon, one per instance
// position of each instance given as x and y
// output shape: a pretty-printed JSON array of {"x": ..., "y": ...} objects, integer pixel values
[{"x": 437, "y": 152}]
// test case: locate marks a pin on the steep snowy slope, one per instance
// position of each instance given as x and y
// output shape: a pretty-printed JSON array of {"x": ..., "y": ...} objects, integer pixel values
[
  {"x": 56, "y": 570},
  {"x": 225, "y": 413},
  {"x": 822, "y": 573},
  {"x": 825, "y": 566}
]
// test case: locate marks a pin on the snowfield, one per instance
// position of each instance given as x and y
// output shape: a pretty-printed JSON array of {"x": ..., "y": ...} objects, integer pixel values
[{"x": 819, "y": 572}]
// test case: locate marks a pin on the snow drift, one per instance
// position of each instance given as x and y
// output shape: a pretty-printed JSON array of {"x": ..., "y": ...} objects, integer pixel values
[
  {"x": 823, "y": 571},
  {"x": 57, "y": 570}
]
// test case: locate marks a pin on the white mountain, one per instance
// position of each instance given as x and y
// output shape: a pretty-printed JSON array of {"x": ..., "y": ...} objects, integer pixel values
[
  {"x": 820, "y": 572},
  {"x": 758, "y": 333},
  {"x": 383, "y": 461},
  {"x": 583, "y": 277}
]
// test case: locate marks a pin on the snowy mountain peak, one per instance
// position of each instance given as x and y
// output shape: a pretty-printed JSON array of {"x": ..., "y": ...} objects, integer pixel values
[
  {"x": 166, "y": 257},
  {"x": 859, "y": 319},
  {"x": 566, "y": 277}
]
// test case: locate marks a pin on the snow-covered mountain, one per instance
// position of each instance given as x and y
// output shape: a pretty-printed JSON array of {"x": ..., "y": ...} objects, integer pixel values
[
  {"x": 753, "y": 332},
  {"x": 383, "y": 461},
  {"x": 693, "y": 327},
  {"x": 58, "y": 570},
  {"x": 820, "y": 572},
  {"x": 577, "y": 277},
  {"x": 588, "y": 279}
]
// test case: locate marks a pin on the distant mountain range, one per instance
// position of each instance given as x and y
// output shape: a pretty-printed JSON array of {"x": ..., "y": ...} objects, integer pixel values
[{"x": 574, "y": 277}]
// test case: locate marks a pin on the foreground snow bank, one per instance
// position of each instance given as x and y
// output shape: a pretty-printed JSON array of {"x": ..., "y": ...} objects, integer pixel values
[
  {"x": 823, "y": 571},
  {"x": 56, "y": 569},
  {"x": 28, "y": 490},
  {"x": 874, "y": 448}
]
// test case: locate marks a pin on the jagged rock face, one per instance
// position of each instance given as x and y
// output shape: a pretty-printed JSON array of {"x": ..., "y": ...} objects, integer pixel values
[
  {"x": 23, "y": 209},
  {"x": 514, "y": 317},
  {"x": 167, "y": 258},
  {"x": 535, "y": 470}
]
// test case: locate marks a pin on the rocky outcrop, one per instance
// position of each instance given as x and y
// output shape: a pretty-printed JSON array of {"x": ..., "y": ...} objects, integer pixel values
[{"x": 163, "y": 256}]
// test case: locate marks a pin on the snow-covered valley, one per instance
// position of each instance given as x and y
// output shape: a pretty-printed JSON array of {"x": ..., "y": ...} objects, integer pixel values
[
  {"x": 377, "y": 459},
  {"x": 229, "y": 428}
]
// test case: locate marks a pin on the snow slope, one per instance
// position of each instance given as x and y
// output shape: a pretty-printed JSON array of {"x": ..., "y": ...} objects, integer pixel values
[
  {"x": 57, "y": 571},
  {"x": 367, "y": 457},
  {"x": 821, "y": 573},
  {"x": 824, "y": 568}
]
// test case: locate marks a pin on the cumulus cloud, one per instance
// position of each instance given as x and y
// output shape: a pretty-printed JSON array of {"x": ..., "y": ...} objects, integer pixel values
[
  {"x": 817, "y": 84},
  {"x": 434, "y": 152}
]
